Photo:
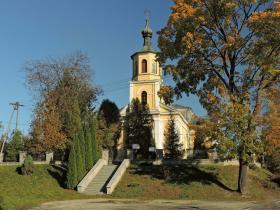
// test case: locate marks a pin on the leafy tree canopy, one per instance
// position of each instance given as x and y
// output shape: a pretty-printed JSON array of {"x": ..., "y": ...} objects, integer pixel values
[
  {"x": 109, "y": 126},
  {"x": 110, "y": 112},
  {"x": 65, "y": 98},
  {"x": 227, "y": 53}
]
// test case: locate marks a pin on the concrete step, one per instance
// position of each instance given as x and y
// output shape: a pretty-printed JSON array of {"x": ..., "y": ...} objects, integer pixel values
[{"x": 102, "y": 178}]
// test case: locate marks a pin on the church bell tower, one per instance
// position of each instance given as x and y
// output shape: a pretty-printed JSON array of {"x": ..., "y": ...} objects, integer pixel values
[{"x": 146, "y": 72}]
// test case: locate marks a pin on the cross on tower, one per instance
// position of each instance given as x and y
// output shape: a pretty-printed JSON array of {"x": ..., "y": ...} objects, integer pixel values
[{"x": 147, "y": 14}]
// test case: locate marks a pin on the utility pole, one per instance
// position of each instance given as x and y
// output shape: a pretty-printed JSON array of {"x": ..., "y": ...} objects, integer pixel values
[
  {"x": 16, "y": 108},
  {"x": 5, "y": 135}
]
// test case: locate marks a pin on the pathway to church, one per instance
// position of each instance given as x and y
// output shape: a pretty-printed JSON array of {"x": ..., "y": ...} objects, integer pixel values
[{"x": 129, "y": 204}]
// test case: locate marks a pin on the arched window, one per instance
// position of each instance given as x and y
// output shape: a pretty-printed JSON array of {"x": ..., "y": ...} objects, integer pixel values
[
  {"x": 154, "y": 67},
  {"x": 144, "y": 97},
  {"x": 144, "y": 66}
]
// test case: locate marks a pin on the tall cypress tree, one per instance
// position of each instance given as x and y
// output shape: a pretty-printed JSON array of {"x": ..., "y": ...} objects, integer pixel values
[
  {"x": 95, "y": 147},
  {"x": 72, "y": 176},
  {"x": 79, "y": 160},
  {"x": 82, "y": 153},
  {"x": 88, "y": 149}
]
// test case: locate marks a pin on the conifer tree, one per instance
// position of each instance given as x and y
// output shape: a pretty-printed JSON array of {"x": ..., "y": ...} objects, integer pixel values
[
  {"x": 72, "y": 176},
  {"x": 78, "y": 155},
  {"x": 96, "y": 151},
  {"x": 82, "y": 153},
  {"x": 172, "y": 146},
  {"x": 88, "y": 149},
  {"x": 14, "y": 147},
  {"x": 138, "y": 126},
  {"x": 71, "y": 115}
]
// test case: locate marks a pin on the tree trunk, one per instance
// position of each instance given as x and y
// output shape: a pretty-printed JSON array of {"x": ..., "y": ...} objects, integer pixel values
[{"x": 242, "y": 178}]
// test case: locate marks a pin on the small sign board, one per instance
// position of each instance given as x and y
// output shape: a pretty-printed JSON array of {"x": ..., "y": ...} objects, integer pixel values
[
  {"x": 135, "y": 146},
  {"x": 152, "y": 149}
]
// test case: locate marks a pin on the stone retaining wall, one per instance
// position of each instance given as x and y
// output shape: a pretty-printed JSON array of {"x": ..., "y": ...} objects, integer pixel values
[
  {"x": 35, "y": 162},
  {"x": 90, "y": 175},
  {"x": 117, "y": 176}
]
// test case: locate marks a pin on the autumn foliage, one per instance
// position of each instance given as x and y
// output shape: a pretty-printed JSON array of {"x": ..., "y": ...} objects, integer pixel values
[
  {"x": 226, "y": 53},
  {"x": 272, "y": 118},
  {"x": 65, "y": 98},
  {"x": 47, "y": 127},
  {"x": 271, "y": 131}
]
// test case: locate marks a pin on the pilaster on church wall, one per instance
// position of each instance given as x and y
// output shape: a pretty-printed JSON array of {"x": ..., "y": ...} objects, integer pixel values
[
  {"x": 192, "y": 138},
  {"x": 130, "y": 92},
  {"x": 157, "y": 99},
  {"x": 158, "y": 131}
]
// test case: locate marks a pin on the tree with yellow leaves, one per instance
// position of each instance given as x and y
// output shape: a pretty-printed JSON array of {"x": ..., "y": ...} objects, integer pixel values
[
  {"x": 227, "y": 53},
  {"x": 47, "y": 127},
  {"x": 271, "y": 131}
]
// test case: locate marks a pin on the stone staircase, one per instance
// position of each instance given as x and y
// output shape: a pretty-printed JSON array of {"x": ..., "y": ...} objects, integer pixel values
[{"x": 98, "y": 184}]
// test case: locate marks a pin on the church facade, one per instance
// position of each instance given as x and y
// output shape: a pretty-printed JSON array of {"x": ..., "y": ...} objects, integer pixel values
[{"x": 144, "y": 85}]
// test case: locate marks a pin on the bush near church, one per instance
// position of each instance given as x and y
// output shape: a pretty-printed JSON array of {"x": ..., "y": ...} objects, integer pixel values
[
  {"x": 13, "y": 148},
  {"x": 27, "y": 167}
]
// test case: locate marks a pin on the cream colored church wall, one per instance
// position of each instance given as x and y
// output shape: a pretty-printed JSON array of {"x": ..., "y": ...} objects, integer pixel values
[
  {"x": 182, "y": 129},
  {"x": 151, "y": 58},
  {"x": 149, "y": 88}
]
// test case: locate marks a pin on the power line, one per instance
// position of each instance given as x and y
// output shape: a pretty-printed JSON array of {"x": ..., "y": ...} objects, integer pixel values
[
  {"x": 16, "y": 106},
  {"x": 115, "y": 89},
  {"x": 126, "y": 80},
  {"x": 7, "y": 131},
  {"x": 13, "y": 123}
]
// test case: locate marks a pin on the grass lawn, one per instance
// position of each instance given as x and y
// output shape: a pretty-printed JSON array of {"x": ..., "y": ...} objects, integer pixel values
[
  {"x": 142, "y": 181},
  {"x": 46, "y": 184},
  {"x": 209, "y": 182}
]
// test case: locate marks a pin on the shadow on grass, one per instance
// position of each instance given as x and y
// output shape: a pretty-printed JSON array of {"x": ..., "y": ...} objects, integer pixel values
[
  {"x": 1, "y": 203},
  {"x": 276, "y": 179},
  {"x": 58, "y": 173},
  {"x": 18, "y": 170},
  {"x": 180, "y": 174}
]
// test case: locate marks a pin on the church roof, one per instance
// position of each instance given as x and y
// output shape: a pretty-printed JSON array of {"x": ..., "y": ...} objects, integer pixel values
[
  {"x": 185, "y": 111},
  {"x": 178, "y": 106}
]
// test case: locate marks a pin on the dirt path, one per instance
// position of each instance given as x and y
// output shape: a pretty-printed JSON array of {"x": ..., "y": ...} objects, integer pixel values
[{"x": 129, "y": 204}]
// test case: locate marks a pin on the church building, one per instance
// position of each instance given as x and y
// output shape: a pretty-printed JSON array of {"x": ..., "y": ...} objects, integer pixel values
[{"x": 145, "y": 84}]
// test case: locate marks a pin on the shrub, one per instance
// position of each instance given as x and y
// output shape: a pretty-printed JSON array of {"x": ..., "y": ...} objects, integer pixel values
[
  {"x": 14, "y": 147},
  {"x": 27, "y": 167},
  {"x": 276, "y": 179},
  {"x": 272, "y": 160}
]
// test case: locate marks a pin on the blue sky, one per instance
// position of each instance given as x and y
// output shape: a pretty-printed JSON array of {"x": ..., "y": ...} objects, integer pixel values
[{"x": 107, "y": 31}]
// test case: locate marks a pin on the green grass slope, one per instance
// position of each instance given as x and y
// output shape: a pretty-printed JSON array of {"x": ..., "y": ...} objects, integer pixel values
[
  {"x": 143, "y": 182},
  {"x": 210, "y": 182},
  {"x": 20, "y": 192}
]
